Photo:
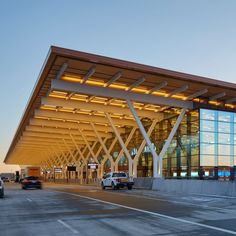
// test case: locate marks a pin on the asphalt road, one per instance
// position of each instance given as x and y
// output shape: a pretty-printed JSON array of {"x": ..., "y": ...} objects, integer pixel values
[{"x": 84, "y": 210}]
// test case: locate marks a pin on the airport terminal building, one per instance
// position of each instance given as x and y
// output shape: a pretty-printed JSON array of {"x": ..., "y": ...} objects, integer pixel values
[{"x": 92, "y": 114}]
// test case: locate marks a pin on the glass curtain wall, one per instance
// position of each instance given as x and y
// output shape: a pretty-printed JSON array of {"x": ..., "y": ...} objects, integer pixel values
[
  {"x": 182, "y": 157},
  {"x": 217, "y": 142}
]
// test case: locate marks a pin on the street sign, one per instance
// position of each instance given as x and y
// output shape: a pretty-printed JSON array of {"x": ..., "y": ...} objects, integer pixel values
[
  {"x": 57, "y": 170},
  {"x": 93, "y": 166},
  {"x": 71, "y": 168}
]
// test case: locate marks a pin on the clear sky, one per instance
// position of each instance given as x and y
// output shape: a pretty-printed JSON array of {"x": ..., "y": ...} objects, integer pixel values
[{"x": 193, "y": 36}]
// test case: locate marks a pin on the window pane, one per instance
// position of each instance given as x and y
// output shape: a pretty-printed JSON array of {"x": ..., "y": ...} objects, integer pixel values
[
  {"x": 207, "y": 125},
  {"x": 207, "y": 149},
  {"x": 224, "y": 127},
  {"x": 223, "y": 160},
  {"x": 207, "y": 160},
  {"x": 207, "y": 137},
  {"x": 224, "y": 138},
  {"x": 224, "y": 149},
  {"x": 207, "y": 114},
  {"x": 224, "y": 116}
]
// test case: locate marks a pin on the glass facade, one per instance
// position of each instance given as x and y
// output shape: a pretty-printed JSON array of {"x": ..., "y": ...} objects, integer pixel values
[
  {"x": 182, "y": 157},
  {"x": 204, "y": 146},
  {"x": 217, "y": 138}
]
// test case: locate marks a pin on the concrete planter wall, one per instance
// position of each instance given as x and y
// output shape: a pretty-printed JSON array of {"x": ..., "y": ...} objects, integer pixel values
[
  {"x": 210, "y": 187},
  {"x": 143, "y": 183}
]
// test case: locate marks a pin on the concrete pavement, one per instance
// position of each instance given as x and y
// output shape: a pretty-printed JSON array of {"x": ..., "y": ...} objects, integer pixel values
[{"x": 61, "y": 209}]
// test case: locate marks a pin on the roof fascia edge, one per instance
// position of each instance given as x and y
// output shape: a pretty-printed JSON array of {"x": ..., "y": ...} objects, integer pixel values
[
  {"x": 93, "y": 58},
  {"x": 38, "y": 84}
]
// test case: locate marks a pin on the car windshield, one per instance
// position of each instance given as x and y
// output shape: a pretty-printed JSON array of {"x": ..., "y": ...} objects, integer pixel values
[
  {"x": 32, "y": 178},
  {"x": 119, "y": 175}
]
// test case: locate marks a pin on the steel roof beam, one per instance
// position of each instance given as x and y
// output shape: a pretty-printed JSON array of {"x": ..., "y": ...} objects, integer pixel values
[
  {"x": 217, "y": 96},
  {"x": 70, "y": 125},
  {"x": 231, "y": 100},
  {"x": 61, "y": 70},
  {"x": 114, "y": 78},
  {"x": 89, "y": 74},
  {"x": 117, "y": 93},
  {"x": 41, "y": 142},
  {"x": 197, "y": 94},
  {"x": 82, "y": 117},
  {"x": 53, "y": 136},
  {"x": 178, "y": 90},
  {"x": 63, "y": 131},
  {"x": 97, "y": 107},
  {"x": 136, "y": 83},
  {"x": 158, "y": 87}
]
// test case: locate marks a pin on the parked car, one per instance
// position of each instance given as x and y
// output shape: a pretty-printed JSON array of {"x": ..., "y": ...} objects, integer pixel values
[
  {"x": 1, "y": 188},
  {"x": 5, "y": 179},
  {"x": 117, "y": 180},
  {"x": 31, "y": 182}
]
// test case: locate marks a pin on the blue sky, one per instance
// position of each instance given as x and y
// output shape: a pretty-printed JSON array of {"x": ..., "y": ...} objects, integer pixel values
[{"x": 193, "y": 36}]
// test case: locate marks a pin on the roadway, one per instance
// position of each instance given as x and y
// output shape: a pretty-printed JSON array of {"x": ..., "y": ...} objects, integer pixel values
[{"x": 61, "y": 209}]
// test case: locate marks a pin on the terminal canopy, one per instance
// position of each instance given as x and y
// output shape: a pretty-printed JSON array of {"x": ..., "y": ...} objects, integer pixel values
[{"x": 80, "y": 98}]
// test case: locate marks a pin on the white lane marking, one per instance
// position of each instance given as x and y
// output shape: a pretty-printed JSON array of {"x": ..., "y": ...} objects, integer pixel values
[
  {"x": 216, "y": 196},
  {"x": 68, "y": 227},
  {"x": 169, "y": 200},
  {"x": 156, "y": 214},
  {"x": 30, "y": 200}
]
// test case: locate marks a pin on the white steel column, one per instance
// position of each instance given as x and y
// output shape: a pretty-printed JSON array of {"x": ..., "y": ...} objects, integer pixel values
[
  {"x": 86, "y": 142},
  {"x": 103, "y": 146},
  {"x": 123, "y": 146},
  {"x": 71, "y": 153},
  {"x": 77, "y": 148},
  {"x": 170, "y": 137},
  {"x": 141, "y": 147},
  {"x": 140, "y": 125},
  {"x": 122, "y": 151}
]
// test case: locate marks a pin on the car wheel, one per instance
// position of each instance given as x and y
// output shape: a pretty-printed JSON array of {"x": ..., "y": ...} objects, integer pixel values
[
  {"x": 129, "y": 187},
  {"x": 103, "y": 186},
  {"x": 113, "y": 186}
]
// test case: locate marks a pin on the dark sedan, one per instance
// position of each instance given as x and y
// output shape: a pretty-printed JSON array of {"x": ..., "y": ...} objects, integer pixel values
[
  {"x": 1, "y": 188},
  {"x": 31, "y": 182}
]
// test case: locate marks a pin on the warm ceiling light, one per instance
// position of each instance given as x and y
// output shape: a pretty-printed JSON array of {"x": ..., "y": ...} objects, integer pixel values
[
  {"x": 78, "y": 99},
  {"x": 92, "y": 82},
  {"x": 56, "y": 96},
  {"x": 72, "y": 79},
  {"x": 160, "y": 94},
  {"x": 179, "y": 97},
  {"x": 58, "y": 92},
  {"x": 230, "y": 105},
  {"x": 139, "y": 90},
  {"x": 117, "y": 86},
  {"x": 214, "y": 103},
  {"x": 66, "y": 110},
  {"x": 97, "y": 101},
  {"x": 116, "y": 104},
  {"x": 48, "y": 108},
  {"x": 42, "y": 117}
]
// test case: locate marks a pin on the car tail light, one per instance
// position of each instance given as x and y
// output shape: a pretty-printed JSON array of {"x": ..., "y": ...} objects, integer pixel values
[{"x": 26, "y": 181}]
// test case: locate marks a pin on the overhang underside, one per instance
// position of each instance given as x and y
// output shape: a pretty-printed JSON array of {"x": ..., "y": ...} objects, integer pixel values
[{"x": 77, "y": 92}]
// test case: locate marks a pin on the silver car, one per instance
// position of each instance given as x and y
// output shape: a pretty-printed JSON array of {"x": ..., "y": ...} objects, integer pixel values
[{"x": 1, "y": 188}]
